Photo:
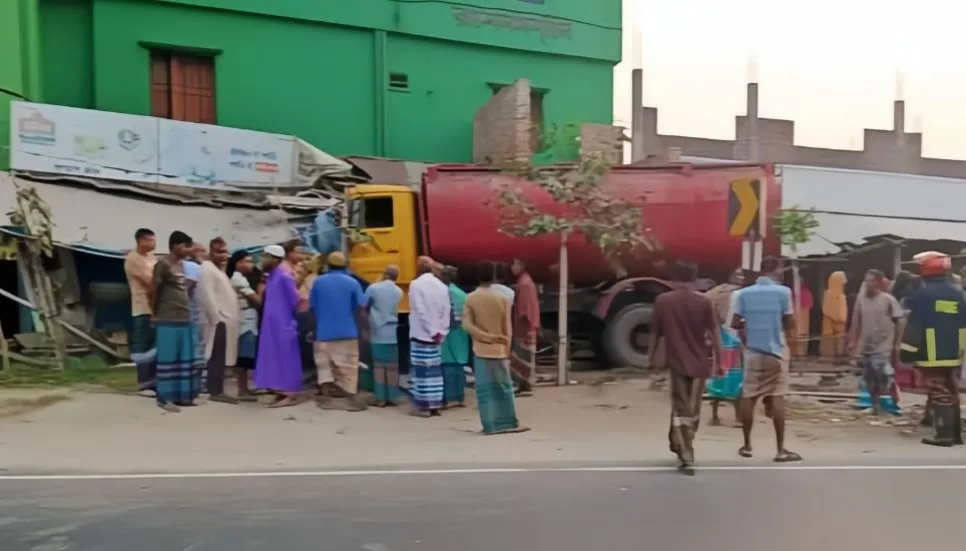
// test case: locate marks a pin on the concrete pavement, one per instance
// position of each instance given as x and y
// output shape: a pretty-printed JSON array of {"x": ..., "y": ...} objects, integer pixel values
[{"x": 788, "y": 509}]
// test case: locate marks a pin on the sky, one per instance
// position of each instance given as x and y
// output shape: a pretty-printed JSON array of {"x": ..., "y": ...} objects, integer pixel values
[{"x": 832, "y": 66}]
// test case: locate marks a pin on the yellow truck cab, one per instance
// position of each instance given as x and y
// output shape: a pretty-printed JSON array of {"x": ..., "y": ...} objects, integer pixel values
[{"x": 389, "y": 215}]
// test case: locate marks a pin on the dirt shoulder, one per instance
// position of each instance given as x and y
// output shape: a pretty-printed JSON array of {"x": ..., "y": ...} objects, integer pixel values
[{"x": 623, "y": 420}]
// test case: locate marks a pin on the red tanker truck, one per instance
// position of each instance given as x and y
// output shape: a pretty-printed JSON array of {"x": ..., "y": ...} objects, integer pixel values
[{"x": 452, "y": 218}]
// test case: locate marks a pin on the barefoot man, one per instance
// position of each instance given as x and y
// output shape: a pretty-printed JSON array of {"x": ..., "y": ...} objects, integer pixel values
[
  {"x": 764, "y": 311},
  {"x": 685, "y": 320}
]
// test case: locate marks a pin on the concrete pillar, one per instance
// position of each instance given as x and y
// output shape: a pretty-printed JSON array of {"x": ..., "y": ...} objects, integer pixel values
[
  {"x": 751, "y": 111},
  {"x": 638, "y": 138}
]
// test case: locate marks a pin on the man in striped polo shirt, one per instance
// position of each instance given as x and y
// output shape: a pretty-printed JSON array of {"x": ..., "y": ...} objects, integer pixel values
[{"x": 764, "y": 312}]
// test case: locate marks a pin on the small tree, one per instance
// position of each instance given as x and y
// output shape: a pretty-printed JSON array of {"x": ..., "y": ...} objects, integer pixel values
[
  {"x": 795, "y": 227},
  {"x": 582, "y": 205}
]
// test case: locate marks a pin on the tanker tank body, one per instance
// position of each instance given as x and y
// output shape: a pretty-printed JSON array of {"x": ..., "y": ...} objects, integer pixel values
[{"x": 686, "y": 210}]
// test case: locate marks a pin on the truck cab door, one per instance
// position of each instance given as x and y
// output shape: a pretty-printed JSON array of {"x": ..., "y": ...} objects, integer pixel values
[{"x": 388, "y": 219}]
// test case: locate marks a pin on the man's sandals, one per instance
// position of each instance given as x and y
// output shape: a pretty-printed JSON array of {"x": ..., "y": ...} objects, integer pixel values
[{"x": 784, "y": 456}]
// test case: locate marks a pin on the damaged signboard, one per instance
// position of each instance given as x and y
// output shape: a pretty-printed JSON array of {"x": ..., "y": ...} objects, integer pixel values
[{"x": 84, "y": 143}]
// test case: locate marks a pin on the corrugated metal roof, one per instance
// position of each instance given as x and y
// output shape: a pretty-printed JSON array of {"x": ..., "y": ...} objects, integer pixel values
[
  {"x": 391, "y": 171},
  {"x": 854, "y": 206},
  {"x": 107, "y": 222}
]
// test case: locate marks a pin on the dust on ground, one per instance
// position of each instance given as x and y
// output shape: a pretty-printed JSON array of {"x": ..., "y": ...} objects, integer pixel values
[{"x": 606, "y": 420}]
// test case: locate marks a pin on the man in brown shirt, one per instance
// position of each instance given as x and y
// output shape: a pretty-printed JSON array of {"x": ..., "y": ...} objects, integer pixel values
[
  {"x": 486, "y": 317},
  {"x": 179, "y": 380},
  {"x": 139, "y": 269},
  {"x": 685, "y": 320}
]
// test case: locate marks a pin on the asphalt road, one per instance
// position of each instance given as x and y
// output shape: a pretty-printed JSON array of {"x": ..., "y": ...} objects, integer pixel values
[{"x": 721, "y": 510}]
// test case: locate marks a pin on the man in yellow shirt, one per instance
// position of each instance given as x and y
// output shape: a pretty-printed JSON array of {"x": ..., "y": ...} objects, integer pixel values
[
  {"x": 486, "y": 317},
  {"x": 139, "y": 268}
]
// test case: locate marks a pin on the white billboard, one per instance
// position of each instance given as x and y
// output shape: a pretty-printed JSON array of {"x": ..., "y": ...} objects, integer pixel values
[
  {"x": 81, "y": 142},
  {"x": 98, "y": 144},
  {"x": 204, "y": 155}
]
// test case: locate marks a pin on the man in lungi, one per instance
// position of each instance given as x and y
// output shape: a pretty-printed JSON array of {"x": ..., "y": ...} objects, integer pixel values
[
  {"x": 339, "y": 308},
  {"x": 486, "y": 317},
  {"x": 382, "y": 303},
  {"x": 526, "y": 326},
  {"x": 139, "y": 269},
  {"x": 179, "y": 382},
  {"x": 429, "y": 319},
  {"x": 933, "y": 343},
  {"x": 764, "y": 312},
  {"x": 685, "y": 320}
]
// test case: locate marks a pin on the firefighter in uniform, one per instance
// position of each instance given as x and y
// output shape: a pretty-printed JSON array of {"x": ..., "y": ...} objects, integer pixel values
[{"x": 934, "y": 340}]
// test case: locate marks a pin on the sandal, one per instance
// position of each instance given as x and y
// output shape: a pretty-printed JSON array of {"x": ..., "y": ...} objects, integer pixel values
[
  {"x": 285, "y": 402},
  {"x": 786, "y": 456},
  {"x": 745, "y": 452}
]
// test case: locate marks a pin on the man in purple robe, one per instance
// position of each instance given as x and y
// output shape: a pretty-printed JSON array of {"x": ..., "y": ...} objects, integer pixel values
[{"x": 278, "y": 367}]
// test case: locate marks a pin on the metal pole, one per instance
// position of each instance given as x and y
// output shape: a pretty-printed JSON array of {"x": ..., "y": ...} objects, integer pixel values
[{"x": 563, "y": 339}]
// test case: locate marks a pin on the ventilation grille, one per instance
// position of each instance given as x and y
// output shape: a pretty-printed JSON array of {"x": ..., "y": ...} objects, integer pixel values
[{"x": 399, "y": 81}]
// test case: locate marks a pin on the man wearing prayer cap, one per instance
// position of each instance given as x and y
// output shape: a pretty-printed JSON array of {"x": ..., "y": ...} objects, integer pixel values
[
  {"x": 932, "y": 342},
  {"x": 278, "y": 366}
]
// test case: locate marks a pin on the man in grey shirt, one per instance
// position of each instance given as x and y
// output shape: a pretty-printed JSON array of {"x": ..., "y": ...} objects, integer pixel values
[{"x": 875, "y": 336}]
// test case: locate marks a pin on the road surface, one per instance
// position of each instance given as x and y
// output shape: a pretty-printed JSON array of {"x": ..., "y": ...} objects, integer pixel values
[{"x": 530, "y": 510}]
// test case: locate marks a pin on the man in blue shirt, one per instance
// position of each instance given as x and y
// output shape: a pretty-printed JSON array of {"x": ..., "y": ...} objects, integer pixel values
[
  {"x": 339, "y": 308},
  {"x": 383, "y": 307},
  {"x": 763, "y": 313}
]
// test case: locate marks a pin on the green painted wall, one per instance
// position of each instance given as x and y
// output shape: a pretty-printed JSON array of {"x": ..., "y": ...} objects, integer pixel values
[
  {"x": 448, "y": 83},
  {"x": 67, "y": 52},
  {"x": 319, "y": 70},
  {"x": 19, "y": 63}
]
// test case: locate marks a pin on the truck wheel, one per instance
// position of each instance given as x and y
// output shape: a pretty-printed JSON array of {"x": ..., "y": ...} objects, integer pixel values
[{"x": 627, "y": 336}]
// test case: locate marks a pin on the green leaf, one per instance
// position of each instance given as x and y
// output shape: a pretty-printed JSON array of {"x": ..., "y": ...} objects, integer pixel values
[{"x": 582, "y": 203}]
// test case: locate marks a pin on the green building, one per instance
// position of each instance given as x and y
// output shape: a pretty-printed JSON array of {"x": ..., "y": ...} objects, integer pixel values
[{"x": 393, "y": 78}]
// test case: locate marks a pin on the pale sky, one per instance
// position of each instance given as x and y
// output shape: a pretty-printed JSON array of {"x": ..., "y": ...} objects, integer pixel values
[{"x": 829, "y": 65}]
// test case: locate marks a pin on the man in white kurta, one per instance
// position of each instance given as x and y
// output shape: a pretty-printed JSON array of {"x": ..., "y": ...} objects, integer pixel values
[
  {"x": 219, "y": 319},
  {"x": 429, "y": 319}
]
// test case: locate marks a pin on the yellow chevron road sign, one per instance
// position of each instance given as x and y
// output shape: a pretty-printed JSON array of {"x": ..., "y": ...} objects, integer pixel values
[{"x": 744, "y": 206}]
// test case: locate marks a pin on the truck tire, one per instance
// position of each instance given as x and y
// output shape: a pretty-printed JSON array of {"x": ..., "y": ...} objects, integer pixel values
[{"x": 627, "y": 335}]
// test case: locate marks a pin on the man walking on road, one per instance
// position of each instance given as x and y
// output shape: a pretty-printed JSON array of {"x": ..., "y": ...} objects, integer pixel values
[
  {"x": 429, "y": 320},
  {"x": 875, "y": 336},
  {"x": 685, "y": 320},
  {"x": 764, "y": 311},
  {"x": 139, "y": 268},
  {"x": 339, "y": 308}
]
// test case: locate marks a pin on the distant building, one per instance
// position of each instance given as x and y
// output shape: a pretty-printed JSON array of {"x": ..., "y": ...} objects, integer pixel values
[
  {"x": 387, "y": 78},
  {"x": 773, "y": 140}
]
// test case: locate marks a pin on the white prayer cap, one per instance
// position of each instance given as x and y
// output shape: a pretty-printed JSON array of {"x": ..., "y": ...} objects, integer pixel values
[
  {"x": 923, "y": 256},
  {"x": 274, "y": 250}
]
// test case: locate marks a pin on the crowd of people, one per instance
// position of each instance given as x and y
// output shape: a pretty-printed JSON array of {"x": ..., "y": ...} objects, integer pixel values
[
  {"x": 733, "y": 342},
  {"x": 295, "y": 327}
]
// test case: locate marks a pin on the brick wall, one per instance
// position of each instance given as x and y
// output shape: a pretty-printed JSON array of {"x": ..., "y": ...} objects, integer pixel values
[
  {"x": 501, "y": 128},
  {"x": 604, "y": 141},
  {"x": 892, "y": 150}
]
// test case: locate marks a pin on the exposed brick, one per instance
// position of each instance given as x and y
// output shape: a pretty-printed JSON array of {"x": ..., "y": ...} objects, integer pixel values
[
  {"x": 604, "y": 141},
  {"x": 501, "y": 128}
]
